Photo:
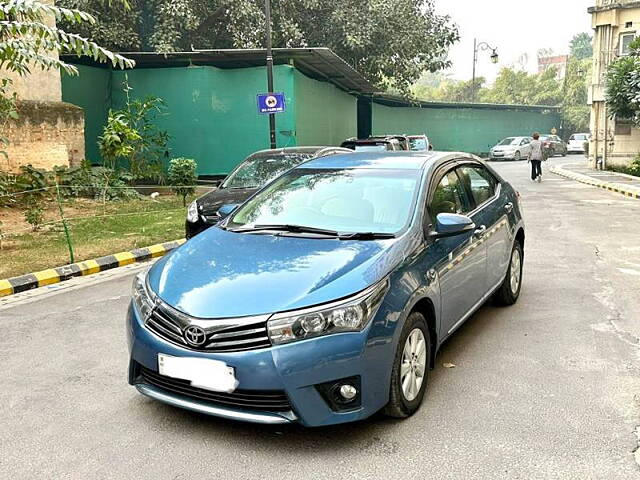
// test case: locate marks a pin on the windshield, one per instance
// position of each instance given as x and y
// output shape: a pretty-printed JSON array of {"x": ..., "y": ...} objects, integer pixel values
[
  {"x": 343, "y": 200},
  {"x": 418, "y": 144},
  {"x": 258, "y": 170},
  {"x": 508, "y": 141}
]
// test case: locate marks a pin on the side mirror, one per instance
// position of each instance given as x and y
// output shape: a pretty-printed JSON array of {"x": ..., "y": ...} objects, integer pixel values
[
  {"x": 451, "y": 225},
  {"x": 228, "y": 209}
]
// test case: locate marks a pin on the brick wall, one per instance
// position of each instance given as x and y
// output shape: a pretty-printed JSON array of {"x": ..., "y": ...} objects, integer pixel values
[{"x": 46, "y": 134}]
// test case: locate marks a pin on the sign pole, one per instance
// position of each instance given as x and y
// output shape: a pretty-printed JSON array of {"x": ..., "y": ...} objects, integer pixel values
[{"x": 272, "y": 116}]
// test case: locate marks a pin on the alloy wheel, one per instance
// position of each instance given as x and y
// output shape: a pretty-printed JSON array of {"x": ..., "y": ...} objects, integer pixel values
[
  {"x": 414, "y": 364},
  {"x": 516, "y": 270}
]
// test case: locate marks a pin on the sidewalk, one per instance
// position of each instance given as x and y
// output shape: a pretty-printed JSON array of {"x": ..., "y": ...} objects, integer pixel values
[{"x": 615, "y": 182}]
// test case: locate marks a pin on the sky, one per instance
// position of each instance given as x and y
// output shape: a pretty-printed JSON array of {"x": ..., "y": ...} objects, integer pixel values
[{"x": 514, "y": 27}]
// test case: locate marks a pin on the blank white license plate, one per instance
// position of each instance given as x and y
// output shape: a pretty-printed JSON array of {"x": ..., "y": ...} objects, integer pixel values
[{"x": 204, "y": 373}]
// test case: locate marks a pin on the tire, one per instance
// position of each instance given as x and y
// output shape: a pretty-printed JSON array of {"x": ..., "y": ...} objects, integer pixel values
[
  {"x": 516, "y": 156},
  {"x": 400, "y": 404},
  {"x": 509, "y": 291}
]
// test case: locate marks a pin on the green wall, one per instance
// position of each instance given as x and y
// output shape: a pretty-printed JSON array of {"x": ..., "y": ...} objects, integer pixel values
[
  {"x": 472, "y": 129},
  {"x": 89, "y": 90},
  {"x": 325, "y": 115},
  {"x": 211, "y": 114}
]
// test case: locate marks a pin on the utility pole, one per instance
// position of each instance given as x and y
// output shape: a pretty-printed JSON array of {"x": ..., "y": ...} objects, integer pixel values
[{"x": 272, "y": 116}]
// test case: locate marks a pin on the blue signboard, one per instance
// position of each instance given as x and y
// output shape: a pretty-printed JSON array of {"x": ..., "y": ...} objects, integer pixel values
[{"x": 271, "y": 103}]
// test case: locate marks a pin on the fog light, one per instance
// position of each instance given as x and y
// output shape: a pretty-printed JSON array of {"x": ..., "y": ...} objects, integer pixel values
[{"x": 348, "y": 392}]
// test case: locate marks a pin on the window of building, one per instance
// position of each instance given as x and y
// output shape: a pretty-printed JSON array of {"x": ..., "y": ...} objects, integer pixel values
[{"x": 625, "y": 41}]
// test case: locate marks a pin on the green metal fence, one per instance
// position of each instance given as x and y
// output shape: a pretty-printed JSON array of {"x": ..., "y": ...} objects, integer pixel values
[{"x": 472, "y": 128}]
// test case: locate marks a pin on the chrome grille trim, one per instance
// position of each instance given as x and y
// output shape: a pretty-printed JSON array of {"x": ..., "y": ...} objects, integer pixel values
[{"x": 222, "y": 335}]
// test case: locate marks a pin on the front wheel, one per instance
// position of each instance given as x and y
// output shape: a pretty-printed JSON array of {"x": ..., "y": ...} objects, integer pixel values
[
  {"x": 517, "y": 156},
  {"x": 509, "y": 291},
  {"x": 410, "y": 368}
]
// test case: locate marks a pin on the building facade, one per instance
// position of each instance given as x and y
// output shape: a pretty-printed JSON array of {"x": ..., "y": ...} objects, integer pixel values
[
  {"x": 616, "y": 24},
  {"x": 557, "y": 61}
]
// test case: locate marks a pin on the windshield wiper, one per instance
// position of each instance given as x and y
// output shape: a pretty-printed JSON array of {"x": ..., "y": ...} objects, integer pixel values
[
  {"x": 366, "y": 236},
  {"x": 289, "y": 228}
]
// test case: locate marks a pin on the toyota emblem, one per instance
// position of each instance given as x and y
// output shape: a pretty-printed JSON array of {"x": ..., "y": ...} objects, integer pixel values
[{"x": 195, "y": 335}]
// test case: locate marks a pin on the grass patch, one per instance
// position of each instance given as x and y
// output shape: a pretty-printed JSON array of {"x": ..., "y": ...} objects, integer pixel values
[{"x": 96, "y": 230}]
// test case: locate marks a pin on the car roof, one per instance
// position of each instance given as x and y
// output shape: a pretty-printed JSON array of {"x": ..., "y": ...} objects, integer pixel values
[
  {"x": 400, "y": 160},
  {"x": 366, "y": 141}
]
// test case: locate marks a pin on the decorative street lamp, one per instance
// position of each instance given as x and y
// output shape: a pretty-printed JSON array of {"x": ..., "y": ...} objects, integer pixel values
[{"x": 494, "y": 59}]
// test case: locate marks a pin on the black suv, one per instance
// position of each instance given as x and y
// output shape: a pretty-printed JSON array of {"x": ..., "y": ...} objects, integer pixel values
[{"x": 255, "y": 171}]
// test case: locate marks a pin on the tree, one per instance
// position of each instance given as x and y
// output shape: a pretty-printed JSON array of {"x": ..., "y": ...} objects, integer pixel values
[
  {"x": 391, "y": 42},
  {"x": 26, "y": 41},
  {"x": 520, "y": 88},
  {"x": 182, "y": 177},
  {"x": 581, "y": 46},
  {"x": 623, "y": 85},
  {"x": 575, "y": 110},
  {"x": 132, "y": 135}
]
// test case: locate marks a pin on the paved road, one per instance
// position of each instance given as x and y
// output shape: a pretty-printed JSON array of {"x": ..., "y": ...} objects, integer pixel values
[{"x": 547, "y": 389}]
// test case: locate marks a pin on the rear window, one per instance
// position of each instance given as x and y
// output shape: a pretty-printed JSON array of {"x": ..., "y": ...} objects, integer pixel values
[
  {"x": 378, "y": 147},
  {"x": 578, "y": 137}
]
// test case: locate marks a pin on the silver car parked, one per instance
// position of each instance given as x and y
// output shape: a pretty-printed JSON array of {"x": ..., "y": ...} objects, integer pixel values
[{"x": 511, "y": 148}]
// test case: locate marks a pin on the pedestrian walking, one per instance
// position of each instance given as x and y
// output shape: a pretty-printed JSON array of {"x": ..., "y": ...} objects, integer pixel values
[{"x": 536, "y": 156}]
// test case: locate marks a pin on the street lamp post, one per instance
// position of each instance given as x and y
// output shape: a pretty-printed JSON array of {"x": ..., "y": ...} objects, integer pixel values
[
  {"x": 272, "y": 116},
  {"x": 494, "y": 59}
]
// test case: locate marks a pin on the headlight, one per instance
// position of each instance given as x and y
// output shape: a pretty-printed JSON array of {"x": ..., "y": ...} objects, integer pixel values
[
  {"x": 143, "y": 298},
  {"x": 350, "y": 315},
  {"x": 192, "y": 212}
]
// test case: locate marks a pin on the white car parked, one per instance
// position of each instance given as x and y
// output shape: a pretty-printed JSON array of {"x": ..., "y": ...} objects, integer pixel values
[
  {"x": 576, "y": 142},
  {"x": 511, "y": 148}
]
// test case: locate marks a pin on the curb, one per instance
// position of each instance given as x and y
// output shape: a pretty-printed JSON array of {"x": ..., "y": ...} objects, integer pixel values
[
  {"x": 612, "y": 187},
  {"x": 9, "y": 286}
]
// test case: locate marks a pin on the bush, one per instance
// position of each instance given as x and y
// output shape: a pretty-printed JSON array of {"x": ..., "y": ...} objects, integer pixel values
[
  {"x": 6, "y": 189},
  {"x": 633, "y": 169},
  {"x": 182, "y": 177},
  {"x": 95, "y": 182},
  {"x": 35, "y": 183},
  {"x": 34, "y": 215}
]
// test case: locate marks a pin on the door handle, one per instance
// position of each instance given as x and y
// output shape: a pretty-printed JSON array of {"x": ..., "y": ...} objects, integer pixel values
[
  {"x": 480, "y": 231},
  {"x": 509, "y": 207}
]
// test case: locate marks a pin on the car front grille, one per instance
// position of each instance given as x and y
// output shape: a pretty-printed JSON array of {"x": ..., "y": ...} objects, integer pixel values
[
  {"x": 263, "y": 400},
  {"x": 224, "y": 335}
]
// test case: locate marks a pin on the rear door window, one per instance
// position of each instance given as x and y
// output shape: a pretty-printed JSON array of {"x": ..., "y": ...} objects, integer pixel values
[
  {"x": 449, "y": 196},
  {"x": 479, "y": 182}
]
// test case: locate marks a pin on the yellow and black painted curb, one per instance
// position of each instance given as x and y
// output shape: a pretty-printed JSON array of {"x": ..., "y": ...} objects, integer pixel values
[
  {"x": 612, "y": 187},
  {"x": 9, "y": 286}
]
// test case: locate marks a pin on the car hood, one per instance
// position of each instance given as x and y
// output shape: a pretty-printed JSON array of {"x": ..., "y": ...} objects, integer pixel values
[
  {"x": 212, "y": 201},
  {"x": 502, "y": 148},
  {"x": 221, "y": 274}
]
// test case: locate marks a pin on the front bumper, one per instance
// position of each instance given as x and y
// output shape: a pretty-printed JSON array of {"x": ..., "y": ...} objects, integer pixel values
[
  {"x": 501, "y": 156},
  {"x": 296, "y": 369},
  {"x": 192, "y": 229}
]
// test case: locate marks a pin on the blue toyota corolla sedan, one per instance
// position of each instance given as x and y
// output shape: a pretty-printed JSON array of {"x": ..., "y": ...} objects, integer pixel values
[{"x": 325, "y": 296}]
